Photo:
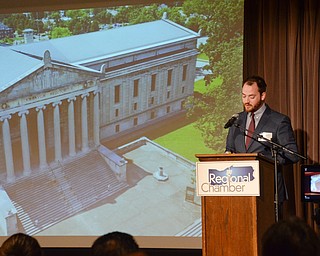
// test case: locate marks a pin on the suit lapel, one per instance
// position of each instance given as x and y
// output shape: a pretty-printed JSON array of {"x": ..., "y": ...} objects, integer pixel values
[{"x": 242, "y": 122}]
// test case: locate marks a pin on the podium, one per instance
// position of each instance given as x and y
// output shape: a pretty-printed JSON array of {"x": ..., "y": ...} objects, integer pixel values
[{"x": 234, "y": 225}]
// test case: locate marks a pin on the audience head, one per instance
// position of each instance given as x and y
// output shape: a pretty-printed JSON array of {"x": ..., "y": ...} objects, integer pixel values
[
  {"x": 114, "y": 244},
  {"x": 20, "y": 245},
  {"x": 292, "y": 237}
]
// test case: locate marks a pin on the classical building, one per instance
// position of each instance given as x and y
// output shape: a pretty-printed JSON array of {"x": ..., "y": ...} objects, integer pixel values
[
  {"x": 62, "y": 96},
  {"x": 59, "y": 98}
]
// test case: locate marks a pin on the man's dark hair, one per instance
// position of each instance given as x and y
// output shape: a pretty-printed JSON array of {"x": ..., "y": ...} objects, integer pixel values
[
  {"x": 114, "y": 244},
  {"x": 292, "y": 237},
  {"x": 20, "y": 245},
  {"x": 262, "y": 86}
]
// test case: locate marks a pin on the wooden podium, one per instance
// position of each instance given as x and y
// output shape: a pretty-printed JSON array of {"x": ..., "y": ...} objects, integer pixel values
[{"x": 234, "y": 225}]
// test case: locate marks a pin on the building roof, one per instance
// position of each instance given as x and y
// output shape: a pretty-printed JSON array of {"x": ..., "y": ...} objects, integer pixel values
[
  {"x": 84, "y": 48},
  {"x": 18, "y": 61},
  {"x": 14, "y": 66}
]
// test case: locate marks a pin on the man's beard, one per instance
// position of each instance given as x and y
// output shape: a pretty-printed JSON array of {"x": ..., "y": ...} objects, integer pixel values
[{"x": 253, "y": 108}]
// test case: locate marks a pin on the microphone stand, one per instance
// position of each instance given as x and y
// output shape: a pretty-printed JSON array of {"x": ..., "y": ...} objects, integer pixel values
[{"x": 275, "y": 147}]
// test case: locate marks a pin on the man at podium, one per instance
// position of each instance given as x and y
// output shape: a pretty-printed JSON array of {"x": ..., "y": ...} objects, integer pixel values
[{"x": 251, "y": 129}]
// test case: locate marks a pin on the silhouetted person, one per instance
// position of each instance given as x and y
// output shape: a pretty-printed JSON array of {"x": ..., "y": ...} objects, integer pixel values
[
  {"x": 292, "y": 237},
  {"x": 114, "y": 244},
  {"x": 20, "y": 245}
]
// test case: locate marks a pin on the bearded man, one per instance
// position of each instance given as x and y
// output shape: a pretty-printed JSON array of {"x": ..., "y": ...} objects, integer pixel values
[{"x": 258, "y": 121}]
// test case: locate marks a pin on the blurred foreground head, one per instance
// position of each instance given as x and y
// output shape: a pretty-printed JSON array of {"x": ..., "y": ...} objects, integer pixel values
[
  {"x": 115, "y": 244},
  {"x": 292, "y": 237},
  {"x": 20, "y": 245}
]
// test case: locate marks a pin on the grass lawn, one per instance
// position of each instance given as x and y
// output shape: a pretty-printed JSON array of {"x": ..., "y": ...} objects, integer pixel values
[
  {"x": 202, "y": 56},
  {"x": 186, "y": 141},
  {"x": 199, "y": 86}
]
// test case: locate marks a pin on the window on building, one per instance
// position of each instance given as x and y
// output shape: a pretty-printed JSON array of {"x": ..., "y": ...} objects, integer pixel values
[
  {"x": 184, "y": 72},
  {"x": 117, "y": 94},
  {"x": 169, "y": 80},
  {"x": 182, "y": 89},
  {"x": 168, "y": 95},
  {"x": 116, "y": 112},
  {"x": 152, "y": 115},
  {"x": 136, "y": 88},
  {"x": 153, "y": 82},
  {"x": 152, "y": 100},
  {"x": 117, "y": 128},
  {"x": 168, "y": 109},
  {"x": 135, "y": 106},
  {"x": 135, "y": 121}
]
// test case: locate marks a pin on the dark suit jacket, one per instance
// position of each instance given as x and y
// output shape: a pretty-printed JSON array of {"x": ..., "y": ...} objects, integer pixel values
[
  {"x": 271, "y": 121},
  {"x": 280, "y": 127}
]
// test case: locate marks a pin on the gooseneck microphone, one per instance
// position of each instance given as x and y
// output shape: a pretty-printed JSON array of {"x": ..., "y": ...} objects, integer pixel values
[{"x": 231, "y": 121}]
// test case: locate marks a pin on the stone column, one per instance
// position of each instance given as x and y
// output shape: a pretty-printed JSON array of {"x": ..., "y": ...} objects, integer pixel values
[
  {"x": 41, "y": 137},
  {"x": 57, "y": 131},
  {"x": 96, "y": 119},
  {"x": 84, "y": 122},
  {"x": 7, "y": 147},
  {"x": 72, "y": 135},
  {"x": 25, "y": 142}
]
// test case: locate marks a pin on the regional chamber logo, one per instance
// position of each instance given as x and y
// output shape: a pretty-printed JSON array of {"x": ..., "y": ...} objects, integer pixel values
[{"x": 228, "y": 178}]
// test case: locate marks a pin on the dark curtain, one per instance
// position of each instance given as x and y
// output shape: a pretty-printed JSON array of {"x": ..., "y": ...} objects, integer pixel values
[{"x": 282, "y": 44}]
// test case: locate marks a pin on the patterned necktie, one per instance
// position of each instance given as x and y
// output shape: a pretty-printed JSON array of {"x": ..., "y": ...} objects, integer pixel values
[{"x": 250, "y": 130}]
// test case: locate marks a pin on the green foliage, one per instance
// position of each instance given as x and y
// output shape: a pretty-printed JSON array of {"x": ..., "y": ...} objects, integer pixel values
[
  {"x": 203, "y": 56},
  {"x": 7, "y": 40},
  {"x": 59, "y": 32},
  {"x": 80, "y": 21},
  {"x": 102, "y": 16},
  {"x": 222, "y": 22},
  {"x": 200, "y": 85},
  {"x": 20, "y": 22},
  {"x": 174, "y": 14},
  {"x": 145, "y": 14}
]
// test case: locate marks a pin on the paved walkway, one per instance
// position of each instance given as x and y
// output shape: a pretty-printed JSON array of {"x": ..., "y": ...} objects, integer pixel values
[{"x": 151, "y": 208}]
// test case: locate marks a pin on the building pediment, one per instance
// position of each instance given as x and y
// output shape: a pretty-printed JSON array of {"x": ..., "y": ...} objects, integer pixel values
[{"x": 48, "y": 81}]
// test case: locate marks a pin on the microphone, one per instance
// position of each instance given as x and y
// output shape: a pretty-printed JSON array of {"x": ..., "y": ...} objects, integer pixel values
[{"x": 231, "y": 121}]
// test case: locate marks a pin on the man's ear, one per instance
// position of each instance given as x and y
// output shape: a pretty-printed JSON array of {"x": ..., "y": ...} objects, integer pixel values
[{"x": 263, "y": 96}]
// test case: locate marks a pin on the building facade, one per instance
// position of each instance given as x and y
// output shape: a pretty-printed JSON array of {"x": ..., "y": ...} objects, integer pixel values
[{"x": 91, "y": 87}]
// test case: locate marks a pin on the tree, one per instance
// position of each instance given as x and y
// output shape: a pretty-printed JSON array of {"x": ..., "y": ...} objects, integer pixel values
[
  {"x": 145, "y": 14},
  {"x": 55, "y": 19},
  {"x": 174, "y": 14},
  {"x": 103, "y": 17},
  {"x": 59, "y": 32},
  {"x": 20, "y": 22},
  {"x": 222, "y": 22},
  {"x": 124, "y": 12},
  {"x": 80, "y": 21}
]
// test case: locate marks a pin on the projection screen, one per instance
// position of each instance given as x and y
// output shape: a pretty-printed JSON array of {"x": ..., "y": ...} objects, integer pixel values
[{"x": 103, "y": 109}]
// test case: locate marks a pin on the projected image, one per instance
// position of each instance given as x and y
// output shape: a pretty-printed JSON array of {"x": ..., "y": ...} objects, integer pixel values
[
  {"x": 315, "y": 183},
  {"x": 311, "y": 185},
  {"x": 103, "y": 110}
]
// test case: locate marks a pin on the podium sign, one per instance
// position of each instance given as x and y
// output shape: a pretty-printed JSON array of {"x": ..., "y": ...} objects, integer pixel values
[
  {"x": 228, "y": 178},
  {"x": 231, "y": 224}
]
